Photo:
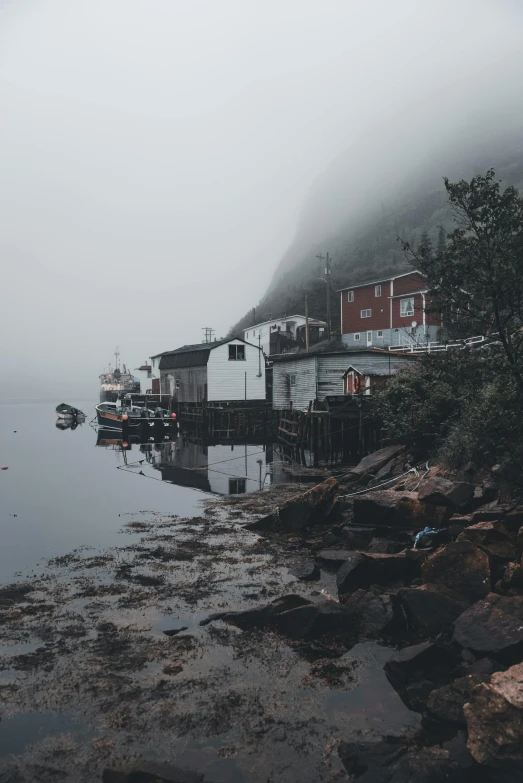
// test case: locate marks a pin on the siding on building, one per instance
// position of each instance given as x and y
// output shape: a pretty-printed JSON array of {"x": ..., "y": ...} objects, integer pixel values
[
  {"x": 304, "y": 389},
  {"x": 191, "y": 381},
  {"x": 330, "y": 370},
  {"x": 226, "y": 379}
]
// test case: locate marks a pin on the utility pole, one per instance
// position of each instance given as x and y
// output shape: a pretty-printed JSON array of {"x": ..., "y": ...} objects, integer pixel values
[
  {"x": 307, "y": 323},
  {"x": 326, "y": 280},
  {"x": 259, "y": 356},
  {"x": 208, "y": 334}
]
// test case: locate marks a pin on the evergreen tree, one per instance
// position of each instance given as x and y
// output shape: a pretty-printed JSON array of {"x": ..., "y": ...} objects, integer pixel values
[
  {"x": 441, "y": 241},
  {"x": 425, "y": 246}
]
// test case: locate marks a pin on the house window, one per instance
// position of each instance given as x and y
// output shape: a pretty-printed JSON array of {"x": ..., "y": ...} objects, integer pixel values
[
  {"x": 350, "y": 296},
  {"x": 237, "y": 486},
  {"x": 366, "y": 313},
  {"x": 254, "y": 333},
  {"x": 379, "y": 333},
  {"x": 177, "y": 384},
  {"x": 236, "y": 353},
  {"x": 357, "y": 336},
  {"x": 292, "y": 379},
  {"x": 407, "y": 307},
  {"x": 377, "y": 290}
]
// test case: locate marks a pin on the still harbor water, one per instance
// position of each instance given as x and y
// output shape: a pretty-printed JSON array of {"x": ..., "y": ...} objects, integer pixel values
[{"x": 66, "y": 489}]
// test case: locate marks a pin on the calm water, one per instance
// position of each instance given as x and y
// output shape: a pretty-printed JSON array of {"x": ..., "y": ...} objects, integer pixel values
[{"x": 62, "y": 491}]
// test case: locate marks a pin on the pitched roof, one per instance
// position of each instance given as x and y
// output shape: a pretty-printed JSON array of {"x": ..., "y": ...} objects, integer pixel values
[
  {"x": 194, "y": 355},
  {"x": 379, "y": 280}
]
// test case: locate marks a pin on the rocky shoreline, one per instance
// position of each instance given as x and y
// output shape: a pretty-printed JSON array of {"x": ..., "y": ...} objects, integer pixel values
[{"x": 281, "y": 636}]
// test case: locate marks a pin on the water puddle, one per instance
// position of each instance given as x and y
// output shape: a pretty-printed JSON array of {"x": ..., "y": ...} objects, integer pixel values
[{"x": 25, "y": 729}]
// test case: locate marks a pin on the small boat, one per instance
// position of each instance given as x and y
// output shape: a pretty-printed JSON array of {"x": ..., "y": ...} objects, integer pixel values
[
  {"x": 114, "y": 417},
  {"x": 65, "y": 411}
]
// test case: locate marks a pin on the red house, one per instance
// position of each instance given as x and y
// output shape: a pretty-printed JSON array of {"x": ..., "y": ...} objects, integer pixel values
[{"x": 390, "y": 311}]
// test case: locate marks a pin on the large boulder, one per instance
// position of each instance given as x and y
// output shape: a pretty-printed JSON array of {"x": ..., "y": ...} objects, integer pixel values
[
  {"x": 306, "y": 572},
  {"x": 364, "y": 569},
  {"x": 445, "y": 704},
  {"x": 462, "y": 567},
  {"x": 397, "y": 509},
  {"x": 494, "y": 717},
  {"x": 373, "y": 463},
  {"x": 439, "y": 491},
  {"x": 493, "y": 627},
  {"x": 333, "y": 558},
  {"x": 429, "y": 609},
  {"x": 372, "y": 611},
  {"x": 301, "y": 511},
  {"x": 493, "y": 537},
  {"x": 415, "y": 671}
]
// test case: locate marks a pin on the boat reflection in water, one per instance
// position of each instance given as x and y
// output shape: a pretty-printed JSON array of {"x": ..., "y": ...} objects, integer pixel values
[
  {"x": 219, "y": 469},
  {"x": 69, "y": 424}
]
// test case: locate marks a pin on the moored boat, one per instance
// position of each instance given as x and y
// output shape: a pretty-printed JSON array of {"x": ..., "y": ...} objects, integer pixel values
[
  {"x": 111, "y": 416},
  {"x": 65, "y": 411}
]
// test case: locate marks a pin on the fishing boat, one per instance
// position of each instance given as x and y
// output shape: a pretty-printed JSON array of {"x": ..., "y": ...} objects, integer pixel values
[
  {"x": 117, "y": 382},
  {"x": 65, "y": 411},
  {"x": 122, "y": 417}
]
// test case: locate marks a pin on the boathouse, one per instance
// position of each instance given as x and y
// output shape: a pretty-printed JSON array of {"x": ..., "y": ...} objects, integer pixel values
[
  {"x": 390, "y": 311},
  {"x": 304, "y": 377},
  {"x": 231, "y": 370}
]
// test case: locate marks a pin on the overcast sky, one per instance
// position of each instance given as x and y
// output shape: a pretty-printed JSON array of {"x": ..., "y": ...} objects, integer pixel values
[{"x": 155, "y": 155}]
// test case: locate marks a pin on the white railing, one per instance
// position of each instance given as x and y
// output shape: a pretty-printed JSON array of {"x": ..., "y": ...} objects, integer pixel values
[{"x": 431, "y": 347}]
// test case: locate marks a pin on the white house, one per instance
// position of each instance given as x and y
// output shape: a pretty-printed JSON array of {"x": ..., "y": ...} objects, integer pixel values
[
  {"x": 260, "y": 334},
  {"x": 223, "y": 371}
]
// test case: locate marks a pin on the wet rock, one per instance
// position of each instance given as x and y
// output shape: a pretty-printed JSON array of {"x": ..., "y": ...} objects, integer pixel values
[
  {"x": 372, "y": 612},
  {"x": 415, "y": 671},
  {"x": 260, "y": 616},
  {"x": 397, "y": 509},
  {"x": 513, "y": 577},
  {"x": 150, "y": 772},
  {"x": 430, "y": 609},
  {"x": 393, "y": 762},
  {"x": 494, "y": 717},
  {"x": 381, "y": 546},
  {"x": 356, "y": 537},
  {"x": 462, "y": 567},
  {"x": 363, "y": 569},
  {"x": 174, "y": 631},
  {"x": 302, "y": 511},
  {"x": 306, "y": 572},
  {"x": 327, "y": 618},
  {"x": 333, "y": 557},
  {"x": 493, "y": 537},
  {"x": 374, "y": 462},
  {"x": 488, "y": 513},
  {"x": 513, "y": 519},
  {"x": 493, "y": 627},
  {"x": 329, "y": 539},
  {"x": 445, "y": 705},
  {"x": 439, "y": 491}
]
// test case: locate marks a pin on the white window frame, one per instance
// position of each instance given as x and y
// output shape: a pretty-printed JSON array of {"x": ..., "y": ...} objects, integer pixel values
[
  {"x": 366, "y": 313},
  {"x": 357, "y": 336},
  {"x": 379, "y": 334},
  {"x": 377, "y": 290},
  {"x": 350, "y": 296},
  {"x": 292, "y": 379},
  {"x": 404, "y": 313}
]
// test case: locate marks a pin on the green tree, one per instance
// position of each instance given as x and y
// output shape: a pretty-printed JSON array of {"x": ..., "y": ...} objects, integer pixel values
[
  {"x": 425, "y": 246},
  {"x": 476, "y": 280}
]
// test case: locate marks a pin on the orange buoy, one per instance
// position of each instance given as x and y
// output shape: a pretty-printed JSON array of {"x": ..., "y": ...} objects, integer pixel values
[
  {"x": 173, "y": 415},
  {"x": 125, "y": 417}
]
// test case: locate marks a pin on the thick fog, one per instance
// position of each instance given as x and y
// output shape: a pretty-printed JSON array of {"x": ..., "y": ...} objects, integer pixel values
[{"x": 155, "y": 155}]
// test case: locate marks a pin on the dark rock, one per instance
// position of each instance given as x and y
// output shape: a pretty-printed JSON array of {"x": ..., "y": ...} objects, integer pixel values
[
  {"x": 356, "y": 537},
  {"x": 392, "y": 762},
  {"x": 513, "y": 577},
  {"x": 445, "y": 704},
  {"x": 462, "y": 567},
  {"x": 381, "y": 546},
  {"x": 374, "y": 462},
  {"x": 260, "y": 616},
  {"x": 327, "y": 618},
  {"x": 174, "y": 631},
  {"x": 483, "y": 666},
  {"x": 494, "y": 717},
  {"x": 373, "y": 612},
  {"x": 493, "y": 627},
  {"x": 334, "y": 557},
  {"x": 150, "y": 772},
  {"x": 415, "y": 671},
  {"x": 493, "y": 537},
  {"x": 439, "y": 491},
  {"x": 397, "y": 509},
  {"x": 306, "y": 572},
  {"x": 430, "y": 609},
  {"x": 366, "y": 569},
  {"x": 519, "y": 542},
  {"x": 329, "y": 539},
  {"x": 488, "y": 512},
  {"x": 302, "y": 511},
  {"x": 513, "y": 520}
]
